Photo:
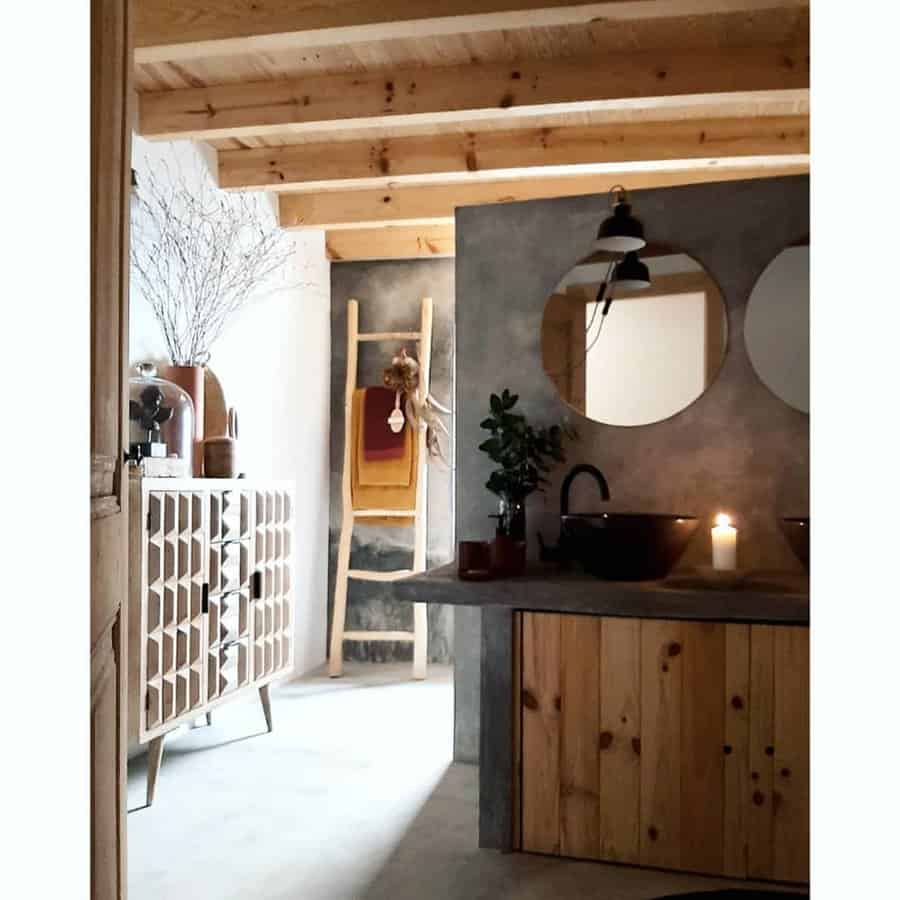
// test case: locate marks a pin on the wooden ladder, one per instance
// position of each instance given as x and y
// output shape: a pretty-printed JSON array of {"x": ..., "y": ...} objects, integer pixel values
[{"x": 419, "y": 635}]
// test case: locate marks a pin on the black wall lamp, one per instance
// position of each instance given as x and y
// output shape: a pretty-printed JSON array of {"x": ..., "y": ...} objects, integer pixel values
[
  {"x": 631, "y": 274},
  {"x": 620, "y": 232}
]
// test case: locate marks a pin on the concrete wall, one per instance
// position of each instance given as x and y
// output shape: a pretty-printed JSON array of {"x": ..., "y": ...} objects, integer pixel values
[
  {"x": 738, "y": 448},
  {"x": 389, "y": 295},
  {"x": 273, "y": 363}
]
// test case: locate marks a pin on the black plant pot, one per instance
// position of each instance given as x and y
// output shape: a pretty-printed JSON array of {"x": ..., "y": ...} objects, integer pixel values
[
  {"x": 511, "y": 518},
  {"x": 508, "y": 551}
]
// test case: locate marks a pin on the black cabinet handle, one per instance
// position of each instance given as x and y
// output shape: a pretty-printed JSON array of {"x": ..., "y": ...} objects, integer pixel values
[
  {"x": 257, "y": 585},
  {"x": 204, "y": 598}
]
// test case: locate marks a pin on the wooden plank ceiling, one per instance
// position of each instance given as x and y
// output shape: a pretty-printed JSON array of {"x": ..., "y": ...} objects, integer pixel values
[{"x": 375, "y": 120}]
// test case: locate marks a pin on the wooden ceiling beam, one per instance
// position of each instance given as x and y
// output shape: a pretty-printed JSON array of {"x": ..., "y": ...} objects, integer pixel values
[
  {"x": 428, "y": 205},
  {"x": 466, "y": 93},
  {"x": 415, "y": 242},
  {"x": 444, "y": 158},
  {"x": 166, "y": 31}
]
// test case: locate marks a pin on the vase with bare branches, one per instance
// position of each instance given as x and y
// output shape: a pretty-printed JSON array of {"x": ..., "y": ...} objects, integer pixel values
[{"x": 198, "y": 256}]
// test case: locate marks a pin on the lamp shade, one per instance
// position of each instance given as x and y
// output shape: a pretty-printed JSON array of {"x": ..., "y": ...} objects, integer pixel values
[
  {"x": 620, "y": 232},
  {"x": 631, "y": 274}
]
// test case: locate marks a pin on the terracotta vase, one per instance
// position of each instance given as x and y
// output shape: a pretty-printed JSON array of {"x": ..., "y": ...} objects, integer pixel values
[{"x": 190, "y": 379}]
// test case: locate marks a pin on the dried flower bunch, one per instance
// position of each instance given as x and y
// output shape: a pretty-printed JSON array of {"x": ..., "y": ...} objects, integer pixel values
[
  {"x": 197, "y": 255},
  {"x": 403, "y": 375}
]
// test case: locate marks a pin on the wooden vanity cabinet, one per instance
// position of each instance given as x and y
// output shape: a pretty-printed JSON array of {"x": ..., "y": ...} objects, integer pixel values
[{"x": 677, "y": 744}]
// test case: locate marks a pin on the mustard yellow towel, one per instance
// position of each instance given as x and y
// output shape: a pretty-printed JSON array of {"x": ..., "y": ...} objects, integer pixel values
[
  {"x": 396, "y": 472},
  {"x": 378, "y": 496}
]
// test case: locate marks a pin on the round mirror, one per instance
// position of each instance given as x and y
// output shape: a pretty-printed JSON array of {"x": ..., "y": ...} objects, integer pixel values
[
  {"x": 624, "y": 352},
  {"x": 776, "y": 327}
]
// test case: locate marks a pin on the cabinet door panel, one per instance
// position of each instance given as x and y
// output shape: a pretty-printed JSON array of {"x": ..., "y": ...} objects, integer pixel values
[
  {"x": 620, "y": 739},
  {"x": 580, "y": 798},
  {"x": 702, "y": 742},
  {"x": 661, "y": 663},
  {"x": 540, "y": 731},
  {"x": 737, "y": 792},
  {"x": 790, "y": 795},
  {"x": 762, "y": 738},
  {"x": 272, "y": 614},
  {"x": 175, "y": 627}
]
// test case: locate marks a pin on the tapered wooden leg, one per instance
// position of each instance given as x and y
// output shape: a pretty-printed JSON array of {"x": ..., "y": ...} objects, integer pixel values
[
  {"x": 209, "y": 718},
  {"x": 154, "y": 759},
  {"x": 266, "y": 705}
]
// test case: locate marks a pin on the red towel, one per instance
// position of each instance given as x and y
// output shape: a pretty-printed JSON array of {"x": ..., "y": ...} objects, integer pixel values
[{"x": 379, "y": 442}]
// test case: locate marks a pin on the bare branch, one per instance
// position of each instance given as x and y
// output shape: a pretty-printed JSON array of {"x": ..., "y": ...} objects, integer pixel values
[{"x": 199, "y": 255}]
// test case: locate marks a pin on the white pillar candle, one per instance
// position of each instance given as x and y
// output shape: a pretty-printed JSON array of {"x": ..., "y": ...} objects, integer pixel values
[{"x": 724, "y": 543}]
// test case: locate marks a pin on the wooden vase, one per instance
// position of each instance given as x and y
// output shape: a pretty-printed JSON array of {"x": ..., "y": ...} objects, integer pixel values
[
  {"x": 191, "y": 380},
  {"x": 220, "y": 457}
]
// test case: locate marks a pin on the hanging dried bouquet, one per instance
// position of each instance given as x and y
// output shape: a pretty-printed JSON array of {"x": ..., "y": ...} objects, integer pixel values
[{"x": 402, "y": 376}]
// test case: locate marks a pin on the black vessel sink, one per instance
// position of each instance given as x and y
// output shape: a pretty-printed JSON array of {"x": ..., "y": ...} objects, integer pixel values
[
  {"x": 618, "y": 546},
  {"x": 626, "y": 546},
  {"x": 796, "y": 530}
]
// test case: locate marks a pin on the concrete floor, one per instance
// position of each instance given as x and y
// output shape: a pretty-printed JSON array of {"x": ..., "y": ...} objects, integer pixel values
[{"x": 352, "y": 797}]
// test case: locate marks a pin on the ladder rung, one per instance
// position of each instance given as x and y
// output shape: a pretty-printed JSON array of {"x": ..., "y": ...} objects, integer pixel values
[
  {"x": 392, "y": 513},
  {"x": 372, "y": 575},
  {"x": 390, "y": 336},
  {"x": 379, "y": 636}
]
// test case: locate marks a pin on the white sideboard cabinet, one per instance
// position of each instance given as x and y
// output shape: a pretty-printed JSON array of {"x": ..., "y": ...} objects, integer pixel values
[{"x": 211, "y": 601}]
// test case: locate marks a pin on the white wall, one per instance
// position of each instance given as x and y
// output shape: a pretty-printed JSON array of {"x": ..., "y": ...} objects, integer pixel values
[{"x": 274, "y": 365}]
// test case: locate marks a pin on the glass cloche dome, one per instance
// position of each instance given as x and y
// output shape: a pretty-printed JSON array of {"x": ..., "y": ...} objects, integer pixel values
[{"x": 161, "y": 419}]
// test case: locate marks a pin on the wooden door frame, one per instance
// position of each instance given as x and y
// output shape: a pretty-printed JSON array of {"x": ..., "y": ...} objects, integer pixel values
[{"x": 110, "y": 155}]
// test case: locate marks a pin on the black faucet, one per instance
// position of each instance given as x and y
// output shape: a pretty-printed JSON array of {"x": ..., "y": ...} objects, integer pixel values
[{"x": 567, "y": 483}]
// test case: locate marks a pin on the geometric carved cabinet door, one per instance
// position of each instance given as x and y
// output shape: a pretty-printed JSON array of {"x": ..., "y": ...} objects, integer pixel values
[
  {"x": 272, "y": 625},
  {"x": 176, "y": 572},
  {"x": 228, "y": 635}
]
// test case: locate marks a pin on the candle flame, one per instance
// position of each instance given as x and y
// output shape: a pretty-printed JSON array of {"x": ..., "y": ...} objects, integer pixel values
[{"x": 723, "y": 520}]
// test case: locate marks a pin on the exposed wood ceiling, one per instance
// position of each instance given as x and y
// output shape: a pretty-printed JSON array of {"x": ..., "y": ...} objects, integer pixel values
[{"x": 375, "y": 120}]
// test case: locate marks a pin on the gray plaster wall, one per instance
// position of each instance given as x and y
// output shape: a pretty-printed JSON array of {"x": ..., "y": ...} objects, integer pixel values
[
  {"x": 389, "y": 295},
  {"x": 738, "y": 447}
]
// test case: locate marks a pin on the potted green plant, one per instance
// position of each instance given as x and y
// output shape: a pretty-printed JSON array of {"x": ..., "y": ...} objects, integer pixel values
[{"x": 524, "y": 455}]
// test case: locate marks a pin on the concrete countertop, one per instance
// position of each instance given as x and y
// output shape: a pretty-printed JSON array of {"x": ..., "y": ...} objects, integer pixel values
[{"x": 755, "y": 597}]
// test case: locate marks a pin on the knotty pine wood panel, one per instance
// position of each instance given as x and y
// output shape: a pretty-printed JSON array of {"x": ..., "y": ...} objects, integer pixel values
[
  {"x": 674, "y": 744},
  {"x": 312, "y": 36},
  {"x": 467, "y": 92},
  {"x": 581, "y": 740},
  {"x": 541, "y": 702},
  {"x": 761, "y": 752},
  {"x": 702, "y": 741},
  {"x": 790, "y": 794},
  {"x": 435, "y": 204},
  {"x": 620, "y": 740},
  {"x": 380, "y": 162},
  {"x": 737, "y": 747},
  {"x": 661, "y": 665}
]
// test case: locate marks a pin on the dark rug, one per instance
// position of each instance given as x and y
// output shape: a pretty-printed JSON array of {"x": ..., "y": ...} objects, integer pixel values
[{"x": 734, "y": 894}]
